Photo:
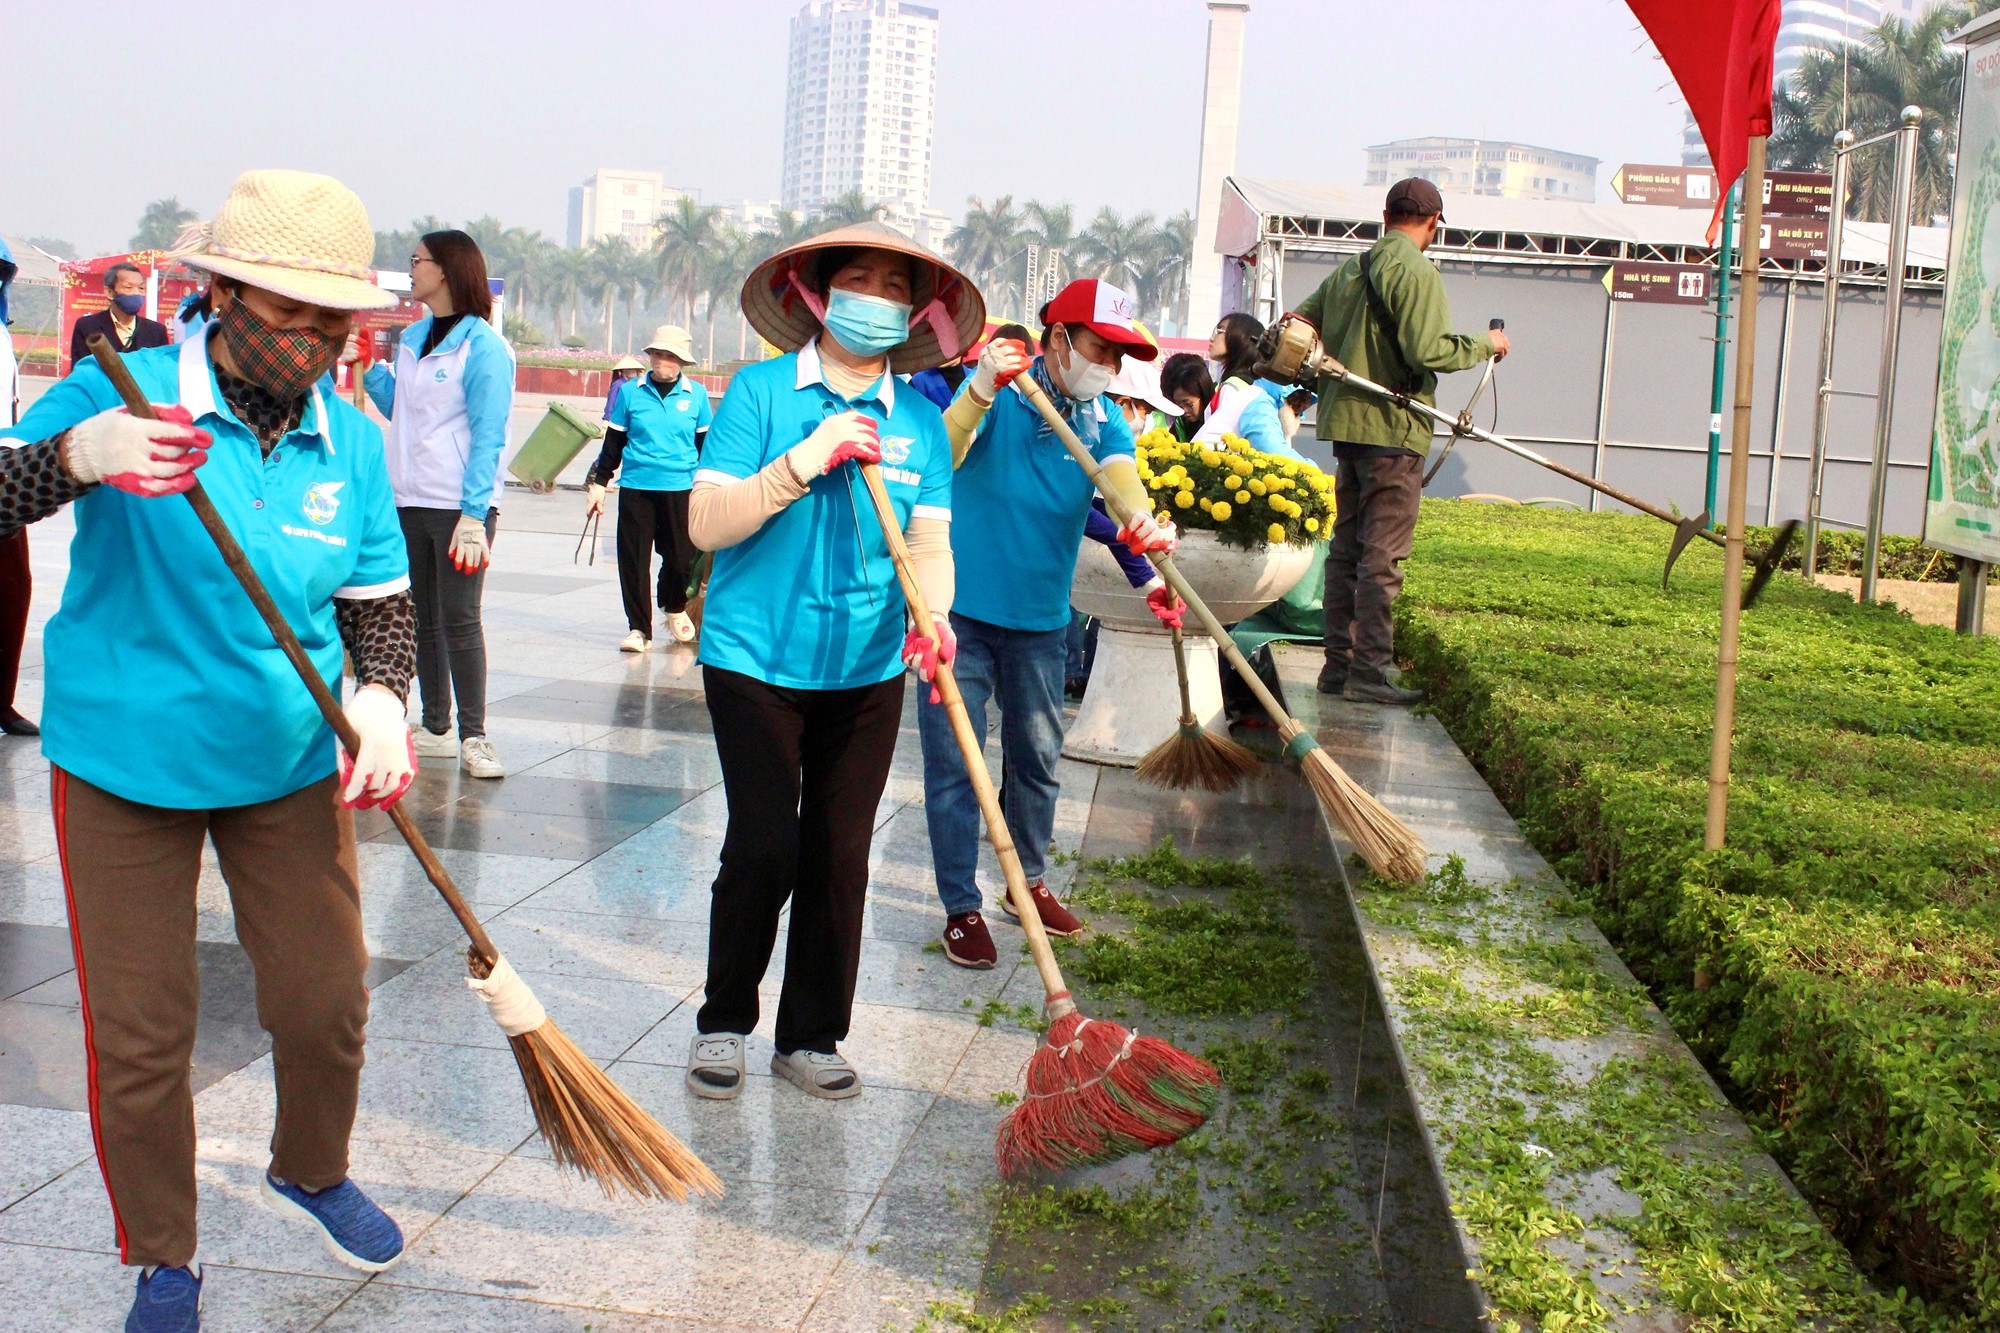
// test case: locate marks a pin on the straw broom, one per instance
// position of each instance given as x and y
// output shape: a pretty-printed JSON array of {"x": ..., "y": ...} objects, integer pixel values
[
  {"x": 1386, "y": 843},
  {"x": 1194, "y": 757},
  {"x": 1096, "y": 1091},
  {"x": 589, "y": 1122}
]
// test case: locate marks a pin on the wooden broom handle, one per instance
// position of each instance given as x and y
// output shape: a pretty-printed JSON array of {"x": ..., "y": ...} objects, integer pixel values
[
  {"x": 1288, "y": 727},
  {"x": 973, "y": 751},
  {"x": 225, "y": 541}
]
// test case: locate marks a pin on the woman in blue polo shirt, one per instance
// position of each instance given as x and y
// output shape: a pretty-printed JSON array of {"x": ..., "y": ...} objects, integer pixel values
[
  {"x": 1018, "y": 491},
  {"x": 805, "y": 642},
  {"x": 171, "y": 719},
  {"x": 655, "y": 429},
  {"x": 448, "y": 396}
]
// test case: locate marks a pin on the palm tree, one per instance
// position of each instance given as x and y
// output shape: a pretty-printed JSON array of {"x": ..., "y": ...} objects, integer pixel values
[
  {"x": 847, "y": 210},
  {"x": 682, "y": 237},
  {"x": 1899, "y": 64},
  {"x": 607, "y": 277},
  {"x": 1053, "y": 228},
  {"x": 635, "y": 278},
  {"x": 1173, "y": 257},
  {"x": 1114, "y": 248},
  {"x": 393, "y": 248},
  {"x": 985, "y": 244},
  {"x": 160, "y": 224}
]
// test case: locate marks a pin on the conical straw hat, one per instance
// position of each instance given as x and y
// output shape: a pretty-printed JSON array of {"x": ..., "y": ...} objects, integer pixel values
[
  {"x": 782, "y": 302},
  {"x": 295, "y": 233}
]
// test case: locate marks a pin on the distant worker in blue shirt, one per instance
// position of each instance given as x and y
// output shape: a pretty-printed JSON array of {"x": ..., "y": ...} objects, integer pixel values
[
  {"x": 173, "y": 720},
  {"x": 804, "y": 644},
  {"x": 1241, "y": 407},
  {"x": 448, "y": 397},
  {"x": 654, "y": 429},
  {"x": 1020, "y": 505}
]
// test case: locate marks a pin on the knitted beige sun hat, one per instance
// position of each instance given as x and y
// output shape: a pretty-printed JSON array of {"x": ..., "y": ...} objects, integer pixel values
[{"x": 295, "y": 233}]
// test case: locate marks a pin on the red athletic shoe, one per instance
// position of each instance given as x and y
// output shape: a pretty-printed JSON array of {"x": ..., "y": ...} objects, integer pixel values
[
  {"x": 967, "y": 942},
  {"x": 1056, "y": 919}
]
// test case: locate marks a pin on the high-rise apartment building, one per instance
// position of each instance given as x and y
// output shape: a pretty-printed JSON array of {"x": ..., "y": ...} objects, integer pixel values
[
  {"x": 859, "y": 98},
  {"x": 618, "y": 203},
  {"x": 1486, "y": 166}
]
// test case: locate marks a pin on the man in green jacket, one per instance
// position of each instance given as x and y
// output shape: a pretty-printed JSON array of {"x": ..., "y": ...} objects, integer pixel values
[{"x": 1383, "y": 315}]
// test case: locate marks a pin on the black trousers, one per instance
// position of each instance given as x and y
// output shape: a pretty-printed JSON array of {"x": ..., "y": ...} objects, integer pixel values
[
  {"x": 17, "y": 585},
  {"x": 803, "y": 771},
  {"x": 451, "y": 641},
  {"x": 650, "y": 521},
  {"x": 1375, "y": 519}
]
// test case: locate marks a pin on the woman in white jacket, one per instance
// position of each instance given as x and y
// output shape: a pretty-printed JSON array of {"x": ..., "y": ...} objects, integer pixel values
[{"x": 448, "y": 399}]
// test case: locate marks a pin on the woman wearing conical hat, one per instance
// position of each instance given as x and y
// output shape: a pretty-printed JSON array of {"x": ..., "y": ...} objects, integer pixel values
[
  {"x": 805, "y": 640},
  {"x": 171, "y": 719}
]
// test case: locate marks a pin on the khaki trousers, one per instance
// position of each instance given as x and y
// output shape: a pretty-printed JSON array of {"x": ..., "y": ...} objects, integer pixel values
[{"x": 130, "y": 872}]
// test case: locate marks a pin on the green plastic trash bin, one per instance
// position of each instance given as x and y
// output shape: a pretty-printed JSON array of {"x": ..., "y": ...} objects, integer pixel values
[{"x": 553, "y": 445}]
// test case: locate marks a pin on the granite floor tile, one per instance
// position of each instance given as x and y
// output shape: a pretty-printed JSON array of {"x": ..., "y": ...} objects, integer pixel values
[
  {"x": 489, "y": 879},
  {"x": 912, "y": 1250},
  {"x": 759, "y": 1255},
  {"x": 430, "y": 1002},
  {"x": 409, "y": 1310},
  {"x": 24, "y": 789},
  {"x": 32, "y": 893},
  {"x": 951, "y": 1154},
  {"x": 776, "y": 1134},
  {"x": 75, "y": 1289},
  {"x": 910, "y": 975},
  {"x": 480, "y": 828},
  {"x": 30, "y": 955},
  {"x": 539, "y": 794},
  {"x": 456, "y": 1098},
  {"x": 680, "y": 764},
  {"x": 660, "y": 952},
  {"x": 42, "y": 1144},
  {"x": 27, "y": 835}
]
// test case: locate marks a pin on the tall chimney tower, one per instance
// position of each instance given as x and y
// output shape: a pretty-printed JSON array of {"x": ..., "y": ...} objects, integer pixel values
[{"x": 1221, "y": 114}]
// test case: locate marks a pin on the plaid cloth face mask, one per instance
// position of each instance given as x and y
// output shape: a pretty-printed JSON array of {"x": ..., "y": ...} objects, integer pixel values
[{"x": 287, "y": 362}]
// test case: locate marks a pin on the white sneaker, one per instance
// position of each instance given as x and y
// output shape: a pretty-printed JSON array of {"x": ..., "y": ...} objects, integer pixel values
[
  {"x": 715, "y": 1065},
  {"x": 635, "y": 642},
  {"x": 680, "y": 626},
  {"x": 479, "y": 760},
  {"x": 433, "y": 745}
]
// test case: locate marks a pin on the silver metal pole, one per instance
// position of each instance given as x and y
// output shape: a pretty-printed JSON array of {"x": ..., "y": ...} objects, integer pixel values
[
  {"x": 1843, "y": 144},
  {"x": 1972, "y": 597},
  {"x": 1603, "y": 402},
  {"x": 1778, "y": 405},
  {"x": 1892, "y": 328}
]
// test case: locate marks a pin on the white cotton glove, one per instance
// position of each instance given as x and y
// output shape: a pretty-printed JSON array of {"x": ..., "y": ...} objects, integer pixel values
[
  {"x": 1146, "y": 534},
  {"x": 838, "y": 438},
  {"x": 596, "y": 499},
  {"x": 140, "y": 457},
  {"x": 469, "y": 552},
  {"x": 1003, "y": 359},
  {"x": 387, "y": 762}
]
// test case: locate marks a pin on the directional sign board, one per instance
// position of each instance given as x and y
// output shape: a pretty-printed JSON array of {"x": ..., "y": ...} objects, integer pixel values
[
  {"x": 1658, "y": 284},
  {"x": 1787, "y": 193},
  {"x": 1795, "y": 238},
  {"x": 1672, "y": 186}
]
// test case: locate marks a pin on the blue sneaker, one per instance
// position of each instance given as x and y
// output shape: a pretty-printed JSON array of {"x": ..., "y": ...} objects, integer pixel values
[
  {"x": 169, "y": 1301},
  {"x": 353, "y": 1229}
]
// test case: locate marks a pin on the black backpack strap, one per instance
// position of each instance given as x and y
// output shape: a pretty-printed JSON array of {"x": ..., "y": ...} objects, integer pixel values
[{"x": 1408, "y": 382}]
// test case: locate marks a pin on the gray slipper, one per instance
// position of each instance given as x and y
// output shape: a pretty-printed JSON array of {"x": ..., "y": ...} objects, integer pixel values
[
  {"x": 715, "y": 1065},
  {"x": 828, "y": 1076}
]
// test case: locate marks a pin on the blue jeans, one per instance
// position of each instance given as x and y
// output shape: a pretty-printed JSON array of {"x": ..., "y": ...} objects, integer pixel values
[{"x": 1022, "y": 672}]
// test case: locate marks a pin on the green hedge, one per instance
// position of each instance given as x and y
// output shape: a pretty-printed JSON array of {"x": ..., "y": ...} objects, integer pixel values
[
  {"x": 1838, "y": 964},
  {"x": 1840, "y": 553}
]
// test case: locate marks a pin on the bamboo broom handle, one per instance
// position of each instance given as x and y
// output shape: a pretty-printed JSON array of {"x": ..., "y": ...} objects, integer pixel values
[
  {"x": 1288, "y": 727},
  {"x": 225, "y": 541},
  {"x": 973, "y": 752},
  {"x": 1180, "y": 669}
]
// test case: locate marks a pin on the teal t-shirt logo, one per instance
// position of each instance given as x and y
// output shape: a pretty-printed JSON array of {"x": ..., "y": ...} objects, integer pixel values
[{"x": 323, "y": 501}]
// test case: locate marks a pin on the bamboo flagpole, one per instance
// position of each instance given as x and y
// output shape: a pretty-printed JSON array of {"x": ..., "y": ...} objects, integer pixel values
[{"x": 1717, "y": 828}]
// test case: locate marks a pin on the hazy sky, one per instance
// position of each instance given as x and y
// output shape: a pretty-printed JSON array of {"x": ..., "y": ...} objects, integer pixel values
[{"x": 498, "y": 107}]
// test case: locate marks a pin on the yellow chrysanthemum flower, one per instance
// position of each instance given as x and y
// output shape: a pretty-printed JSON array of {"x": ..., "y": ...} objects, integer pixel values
[
  {"x": 1257, "y": 486},
  {"x": 1184, "y": 499},
  {"x": 1312, "y": 525},
  {"x": 1221, "y": 511},
  {"x": 1276, "y": 532}
]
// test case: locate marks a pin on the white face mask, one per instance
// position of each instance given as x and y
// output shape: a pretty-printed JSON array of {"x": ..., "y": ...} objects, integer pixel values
[{"x": 1083, "y": 379}]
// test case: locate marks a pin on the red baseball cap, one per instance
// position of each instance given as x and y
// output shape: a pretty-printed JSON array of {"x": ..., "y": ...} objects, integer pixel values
[{"x": 1106, "y": 311}]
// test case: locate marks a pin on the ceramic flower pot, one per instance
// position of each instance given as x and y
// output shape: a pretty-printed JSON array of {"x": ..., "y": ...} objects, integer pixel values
[{"x": 1133, "y": 702}]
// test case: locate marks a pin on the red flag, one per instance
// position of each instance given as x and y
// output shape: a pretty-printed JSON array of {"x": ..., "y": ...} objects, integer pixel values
[{"x": 1720, "y": 52}]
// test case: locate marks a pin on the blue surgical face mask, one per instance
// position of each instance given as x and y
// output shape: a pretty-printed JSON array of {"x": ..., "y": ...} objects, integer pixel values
[
  {"x": 130, "y": 302},
  {"x": 866, "y": 325}
]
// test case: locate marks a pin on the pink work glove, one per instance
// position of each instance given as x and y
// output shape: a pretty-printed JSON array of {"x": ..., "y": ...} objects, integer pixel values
[
  {"x": 922, "y": 653},
  {"x": 387, "y": 762},
  {"x": 837, "y": 439},
  {"x": 1003, "y": 359},
  {"x": 139, "y": 457},
  {"x": 1160, "y": 600},
  {"x": 1147, "y": 535}
]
